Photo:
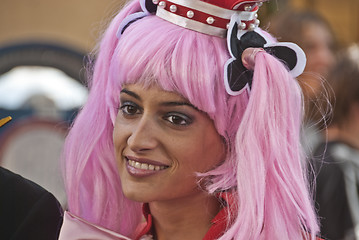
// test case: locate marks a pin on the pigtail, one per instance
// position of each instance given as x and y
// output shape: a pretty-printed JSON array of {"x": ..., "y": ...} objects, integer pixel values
[
  {"x": 272, "y": 192},
  {"x": 89, "y": 167}
]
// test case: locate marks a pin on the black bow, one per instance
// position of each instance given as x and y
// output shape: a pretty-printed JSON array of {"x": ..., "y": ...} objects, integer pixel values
[{"x": 238, "y": 76}]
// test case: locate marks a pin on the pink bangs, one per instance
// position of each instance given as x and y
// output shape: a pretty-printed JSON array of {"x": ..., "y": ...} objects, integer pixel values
[{"x": 181, "y": 61}]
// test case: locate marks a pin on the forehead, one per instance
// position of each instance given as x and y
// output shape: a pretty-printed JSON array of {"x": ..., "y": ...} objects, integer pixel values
[
  {"x": 317, "y": 32},
  {"x": 152, "y": 92}
]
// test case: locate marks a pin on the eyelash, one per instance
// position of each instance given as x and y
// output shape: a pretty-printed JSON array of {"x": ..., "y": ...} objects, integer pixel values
[
  {"x": 124, "y": 108},
  {"x": 170, "y": 117},
  {"x": 184, "y": 120}
]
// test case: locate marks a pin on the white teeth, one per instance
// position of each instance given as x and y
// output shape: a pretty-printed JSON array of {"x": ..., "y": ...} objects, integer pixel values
[{"x": 145, "y": 166}]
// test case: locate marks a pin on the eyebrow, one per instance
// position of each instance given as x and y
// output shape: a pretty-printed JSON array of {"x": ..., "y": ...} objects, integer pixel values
[
  {"x": 169, "y": 104},
  {"x": 132, "y": 94},
  {"x": 166, "y": 104}
]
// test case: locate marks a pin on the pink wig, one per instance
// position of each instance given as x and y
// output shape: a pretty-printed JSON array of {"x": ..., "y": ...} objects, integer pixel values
[{"x": 263, "y": 161}]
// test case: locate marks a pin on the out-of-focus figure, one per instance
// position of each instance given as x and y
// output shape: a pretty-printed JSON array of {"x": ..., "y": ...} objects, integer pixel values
[
  {"x": 314, "y": 35},
  {"x": 27, "y": 210},
  {"x": 338, "y": 169}
]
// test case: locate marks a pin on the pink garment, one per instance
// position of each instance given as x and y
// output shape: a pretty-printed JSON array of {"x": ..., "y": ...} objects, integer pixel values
[{"x": 76, "y": 228}]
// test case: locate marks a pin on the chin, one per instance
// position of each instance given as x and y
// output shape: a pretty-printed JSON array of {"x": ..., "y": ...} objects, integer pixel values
[
  {"x": 137, "y": 195},
  {"x": 134, "y": 197}
]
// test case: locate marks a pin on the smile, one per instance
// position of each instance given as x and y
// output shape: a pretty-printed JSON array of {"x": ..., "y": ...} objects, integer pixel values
[
  {"x": 140, "y": 167},
  {"x": 145, "y": 166}
]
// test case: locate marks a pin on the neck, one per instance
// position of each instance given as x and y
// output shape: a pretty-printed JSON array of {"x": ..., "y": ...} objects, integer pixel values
[
  {"x": 347, "y": 134},
  {"x": 185, "y": 218},
  {"x": 348, "y": 131}
]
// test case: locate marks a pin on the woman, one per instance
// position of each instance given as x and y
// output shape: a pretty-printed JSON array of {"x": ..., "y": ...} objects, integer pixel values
[
  {"x": 313, "y": 33},
  {"x": 177, "y": 122}
]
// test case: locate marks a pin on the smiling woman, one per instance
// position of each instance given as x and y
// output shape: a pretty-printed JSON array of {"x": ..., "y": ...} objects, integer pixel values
[
  {"x": 156, "y": 136},
  {"x": 193, "y": 116}
]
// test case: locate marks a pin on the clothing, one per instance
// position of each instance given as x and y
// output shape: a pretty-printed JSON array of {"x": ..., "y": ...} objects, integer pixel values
[
  {"x": 76, "y": 228},
  {"x": 27, "y": 211},
  {"x": 336, "y": 195},
  {"x": 219, "y": 222}
]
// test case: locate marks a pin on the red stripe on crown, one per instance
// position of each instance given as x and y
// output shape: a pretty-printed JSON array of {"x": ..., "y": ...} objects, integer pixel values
[
  {"x": 203, "y": 17},
  {"x": 230, "y": 4},
  {"x": 198, "y": 16}
]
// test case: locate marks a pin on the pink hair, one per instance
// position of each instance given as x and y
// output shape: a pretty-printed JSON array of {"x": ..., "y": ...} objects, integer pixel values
[{"x": 263, "y": 162}]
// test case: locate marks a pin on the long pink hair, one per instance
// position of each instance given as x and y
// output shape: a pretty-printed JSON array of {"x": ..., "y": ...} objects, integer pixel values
[{"x": 263, "y": 161}]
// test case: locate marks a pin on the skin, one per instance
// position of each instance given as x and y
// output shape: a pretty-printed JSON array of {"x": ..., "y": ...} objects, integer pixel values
[
  {"x": 317, "y": 43},
  {"x": 163, "y": 128},
  {"x": 348, "y": 131}
]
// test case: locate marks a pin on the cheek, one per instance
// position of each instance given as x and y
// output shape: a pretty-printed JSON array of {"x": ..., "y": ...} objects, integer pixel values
[
  {"x": 201, "y": 153},
  {"x": 214, "y": 152},
  {"x": 214, "y": 149},
  {"x": 119, "y": 139},
  {"x": 115, "y": 135}
]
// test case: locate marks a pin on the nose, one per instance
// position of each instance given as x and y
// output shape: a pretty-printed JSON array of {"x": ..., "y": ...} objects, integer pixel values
[
  {"x": 143, "y": 135},
  {"x": 329, "y": 56},
  {"x": 324, "y": 59}
]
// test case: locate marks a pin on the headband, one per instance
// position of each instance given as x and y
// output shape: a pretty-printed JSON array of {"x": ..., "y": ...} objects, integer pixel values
[{"x": 235, "y": 20}]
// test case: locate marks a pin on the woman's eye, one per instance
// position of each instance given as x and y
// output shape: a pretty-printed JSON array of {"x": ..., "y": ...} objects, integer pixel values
[
  {"x": 129, "y": 109},
  {"x": 178, "y": 119}
]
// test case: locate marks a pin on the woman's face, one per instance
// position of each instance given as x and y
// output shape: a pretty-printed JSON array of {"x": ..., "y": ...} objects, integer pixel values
[
  {"x": 161, "y": 141},
  {"x": 317, "y": 42}
]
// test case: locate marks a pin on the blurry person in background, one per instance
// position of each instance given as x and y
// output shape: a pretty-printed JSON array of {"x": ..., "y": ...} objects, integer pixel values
[
  {"x": 338, "y": 175},
  {"x": 27, "y": 211},
  {"x": 314, "y": 35}
]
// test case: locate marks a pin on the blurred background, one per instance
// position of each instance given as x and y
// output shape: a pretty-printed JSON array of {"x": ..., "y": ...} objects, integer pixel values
[{"x": 44, "y": 49}]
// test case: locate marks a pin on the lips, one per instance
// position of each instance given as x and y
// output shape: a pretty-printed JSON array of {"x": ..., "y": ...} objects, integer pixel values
[{"x": 143, "y": 167}]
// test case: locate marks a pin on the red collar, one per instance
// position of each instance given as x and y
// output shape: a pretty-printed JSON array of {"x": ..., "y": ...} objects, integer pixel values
[{"x": 219, "y": 222}]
